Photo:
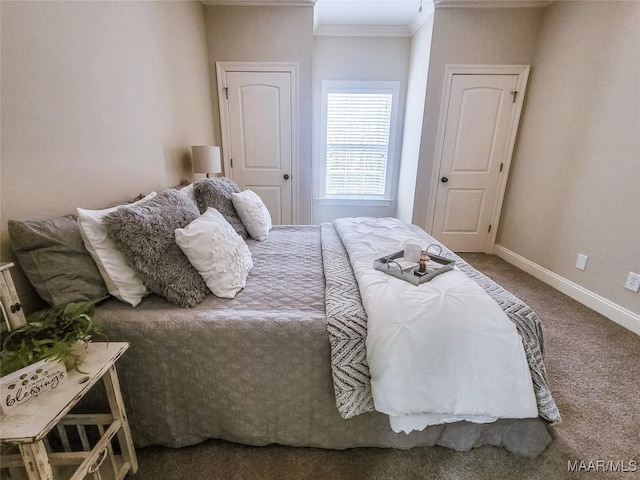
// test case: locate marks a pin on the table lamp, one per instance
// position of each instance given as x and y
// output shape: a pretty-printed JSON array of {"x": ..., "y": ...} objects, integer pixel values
[{"x": 206, "y": 159}]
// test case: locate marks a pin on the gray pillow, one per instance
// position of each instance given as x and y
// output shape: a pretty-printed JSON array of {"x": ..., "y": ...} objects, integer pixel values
[
  {"x": 52, "y": 255},
  {"x": 216, "y": 192},
  {"x": 145, "y": 235}
]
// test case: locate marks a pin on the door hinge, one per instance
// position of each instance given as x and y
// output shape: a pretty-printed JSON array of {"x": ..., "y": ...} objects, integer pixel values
[
  {"x": 489, "y": 228},
  {"x": 226, "y": 93},
  {"x": 231, "y": 163},
  {"x": 501, "y": 165},
  {"x": 515, "y": 94}
]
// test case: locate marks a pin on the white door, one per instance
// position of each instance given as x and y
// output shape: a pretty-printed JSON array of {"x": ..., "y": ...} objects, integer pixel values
[
  {"x": 260, "y": 143},
  {"x": 481, "y": 118}
]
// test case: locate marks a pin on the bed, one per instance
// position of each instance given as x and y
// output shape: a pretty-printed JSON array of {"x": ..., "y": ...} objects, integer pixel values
[
  {"x": 313, "y": 346},
  {"x": 283, "y": 362}
]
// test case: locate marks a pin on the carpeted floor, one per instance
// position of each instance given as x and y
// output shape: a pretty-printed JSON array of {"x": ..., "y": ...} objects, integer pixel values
[{"x": 593, "y": 367}]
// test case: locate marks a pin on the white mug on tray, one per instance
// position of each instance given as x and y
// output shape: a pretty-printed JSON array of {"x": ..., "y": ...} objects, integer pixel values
[{"x": 412, "y": 252}]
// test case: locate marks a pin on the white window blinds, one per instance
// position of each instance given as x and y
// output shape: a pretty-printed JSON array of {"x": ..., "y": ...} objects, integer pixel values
[{"x": 357, "y": 143}]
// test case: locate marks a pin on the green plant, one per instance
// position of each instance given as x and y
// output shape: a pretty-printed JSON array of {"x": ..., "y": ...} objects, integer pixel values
[{"x": 51, "y": 333}]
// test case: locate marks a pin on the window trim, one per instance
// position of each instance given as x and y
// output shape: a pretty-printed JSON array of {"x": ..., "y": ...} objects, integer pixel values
[{"x": 359, "y": 86}]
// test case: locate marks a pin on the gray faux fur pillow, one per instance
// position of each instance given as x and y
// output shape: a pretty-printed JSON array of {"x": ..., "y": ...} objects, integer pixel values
[
  {"x": 216, "y": 192},
  {"x": 145, "y": 235}
]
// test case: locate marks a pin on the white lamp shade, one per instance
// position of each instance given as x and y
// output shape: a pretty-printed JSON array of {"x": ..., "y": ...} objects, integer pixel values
[{"x": 206, "y": 159}]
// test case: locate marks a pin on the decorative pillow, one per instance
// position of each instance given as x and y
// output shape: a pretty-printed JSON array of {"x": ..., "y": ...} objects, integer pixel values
[
  {"x": 253, "y": 213},
  {"x": 189, "y": 192},
  {"x": 219, "y": 254},
  {"x": 216, "y": 192},
  {"x": 145, "y": 235},
  {"x": 53, "y": 257},
  {"x": 123, "y": 282}
]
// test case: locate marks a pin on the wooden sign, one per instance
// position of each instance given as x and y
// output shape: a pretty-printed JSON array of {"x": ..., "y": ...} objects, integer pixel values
[{"x": 19, "y": 387}]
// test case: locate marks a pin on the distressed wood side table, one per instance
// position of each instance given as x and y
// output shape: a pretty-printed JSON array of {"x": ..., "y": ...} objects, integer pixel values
[{"x": 99, "y": 456}]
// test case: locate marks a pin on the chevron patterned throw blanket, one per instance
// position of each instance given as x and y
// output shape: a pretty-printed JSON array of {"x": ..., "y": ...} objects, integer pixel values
[{"x": 347, "y": 328}]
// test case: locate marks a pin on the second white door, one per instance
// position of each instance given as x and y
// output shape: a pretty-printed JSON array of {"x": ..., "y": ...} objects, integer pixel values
[
  {"x": 479, "y": 124},
  {"x": 258, "y": 127}
]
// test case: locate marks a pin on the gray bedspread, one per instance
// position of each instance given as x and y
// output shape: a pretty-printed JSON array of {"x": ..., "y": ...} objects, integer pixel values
[{"x": 257, "y": 369}]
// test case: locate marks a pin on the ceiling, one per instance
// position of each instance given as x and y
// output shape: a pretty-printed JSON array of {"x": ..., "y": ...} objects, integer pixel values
[
  {"x": 370, "y": 17},
  {"x": 367, "y": 12},
  {"x": 375, "y": 17}
]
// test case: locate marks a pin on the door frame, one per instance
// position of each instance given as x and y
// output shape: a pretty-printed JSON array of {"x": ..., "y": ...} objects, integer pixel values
[
  {"x": 285, "y": 67},
  {"x": 453, "y": 69}
]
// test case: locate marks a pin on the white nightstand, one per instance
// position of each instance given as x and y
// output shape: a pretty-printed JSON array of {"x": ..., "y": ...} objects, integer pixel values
[{"x": 49, "y": 412}]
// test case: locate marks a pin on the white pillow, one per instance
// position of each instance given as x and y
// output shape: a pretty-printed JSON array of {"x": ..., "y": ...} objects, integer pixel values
[
  {"x": 253, "y": 213},
  {"x": 123, "y": 282},
  {"x": 188, "y": 190},
  {"x": 219, "y": 254}
]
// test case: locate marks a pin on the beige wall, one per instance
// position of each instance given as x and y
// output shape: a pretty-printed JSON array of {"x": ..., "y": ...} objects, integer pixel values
[
  {"x": 575, "y": 180},
  {"x": 100, "y": 102},
  {"x": 359, "y": 58},
  {"x": 268, "y": 34},
  {"x": 468, "y": 36},
  {"x": 414, "y": 114}
]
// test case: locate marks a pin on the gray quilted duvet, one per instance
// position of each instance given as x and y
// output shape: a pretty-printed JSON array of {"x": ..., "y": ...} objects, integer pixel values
[{"x": 256, "y": 369}]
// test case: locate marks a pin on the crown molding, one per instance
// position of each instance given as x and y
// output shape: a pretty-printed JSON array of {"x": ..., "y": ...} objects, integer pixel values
[
  {"x": 260, "y": 3},
  {"x": 491, "y": 3},
  {"x": 362, "y": 31},
  {"x": 420, "y": 18}
]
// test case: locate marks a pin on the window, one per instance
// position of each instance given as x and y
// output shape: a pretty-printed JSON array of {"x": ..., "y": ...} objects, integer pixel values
[{"x": 359, "y": 122}]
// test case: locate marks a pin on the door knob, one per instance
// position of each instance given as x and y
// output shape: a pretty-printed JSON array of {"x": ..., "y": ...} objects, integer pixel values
[
  {"x": 444, "y": 179},
  {"x": 286, "y": 176}
]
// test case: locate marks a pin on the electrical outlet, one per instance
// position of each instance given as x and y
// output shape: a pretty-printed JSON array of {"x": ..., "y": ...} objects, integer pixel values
[
  {"x": 633, "y": 282},
  {"x": 581, "y": 262}
]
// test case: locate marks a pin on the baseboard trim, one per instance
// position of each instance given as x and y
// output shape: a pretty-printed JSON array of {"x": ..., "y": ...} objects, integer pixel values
[{"x": 612, "y": 311}]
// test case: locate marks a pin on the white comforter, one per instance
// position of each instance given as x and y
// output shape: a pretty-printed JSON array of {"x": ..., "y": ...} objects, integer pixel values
[{"x": 439, "y": 352}]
